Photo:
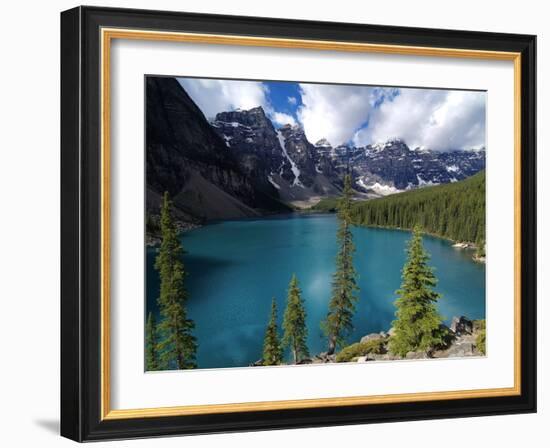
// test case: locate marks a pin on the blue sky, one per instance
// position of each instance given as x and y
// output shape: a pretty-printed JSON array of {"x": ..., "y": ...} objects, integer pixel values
[
  {"x": 352, "y": 114},
  {"x": 284, "y": 96}
]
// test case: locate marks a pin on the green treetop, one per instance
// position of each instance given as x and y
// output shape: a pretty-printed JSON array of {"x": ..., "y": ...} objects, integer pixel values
[
  {"x": 338, "y": 322},
  {"x": 151, "y": 354},
  {"x": 417, "y": 324},
  {"x": 177, "y": 346},
  {"x": 294, "y": 322},
  {"x": 272, "y": 354}
]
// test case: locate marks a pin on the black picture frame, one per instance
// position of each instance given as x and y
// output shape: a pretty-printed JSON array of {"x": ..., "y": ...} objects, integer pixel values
[{"x": 81, "y": 224}]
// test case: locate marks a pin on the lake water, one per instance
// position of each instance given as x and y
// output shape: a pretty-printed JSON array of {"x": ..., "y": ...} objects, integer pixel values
[{"x": 236, "y": 267}]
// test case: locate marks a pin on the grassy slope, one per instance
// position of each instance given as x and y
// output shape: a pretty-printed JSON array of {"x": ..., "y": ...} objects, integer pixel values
[{"x": 326, "y": 205}]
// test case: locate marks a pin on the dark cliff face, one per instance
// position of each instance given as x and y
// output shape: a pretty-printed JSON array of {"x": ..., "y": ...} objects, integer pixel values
[
  {"x": 281, "y": 159},
  {"x": 301, "y": 151},
  {"x": 187, "y": 158},
  {"x": 250, "y": 136},
  {"x": 392, "y": 162}
]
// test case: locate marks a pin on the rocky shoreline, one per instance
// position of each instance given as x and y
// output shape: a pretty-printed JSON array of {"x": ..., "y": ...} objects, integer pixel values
[
  {"x": 463, "y": 341},
  {"x": 464, "y": 245}
]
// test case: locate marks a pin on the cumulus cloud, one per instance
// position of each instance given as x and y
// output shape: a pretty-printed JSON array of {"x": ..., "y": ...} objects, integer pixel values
[
  {"x": 334, "y": 112},
  {"x": 213, "y": 95},
  {"x": 280, "y": 119},
  {"x": 435, "y": 119}
]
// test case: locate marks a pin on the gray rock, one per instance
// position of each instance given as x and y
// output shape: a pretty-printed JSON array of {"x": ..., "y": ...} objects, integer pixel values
[
  {"x": 416, "y": 355},
  {"x": 461, "y": 349},
  {"x": 323, "y": 357},
  {"x": 384, "y": 357},
  {"x": 461, "y": 325},
  {"x": 371, "y": 336}
]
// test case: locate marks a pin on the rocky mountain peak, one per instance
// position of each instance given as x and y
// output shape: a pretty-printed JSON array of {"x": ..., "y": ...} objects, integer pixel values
[
  {"x": 295, "y": 132},
  {"x": 323, "y": 143},
  {"x": 395, "y": 146},
  {"x": 255, "y": 118},
  {"x": 289, "y": 162}
]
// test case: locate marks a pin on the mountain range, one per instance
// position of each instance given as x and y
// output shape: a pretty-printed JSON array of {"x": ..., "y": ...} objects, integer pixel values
[{"x": 239, "y": 164}]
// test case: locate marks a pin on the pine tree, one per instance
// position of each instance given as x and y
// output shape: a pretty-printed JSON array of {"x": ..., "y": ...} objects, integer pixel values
[
  {"x": 294, "y": 323},
  {"x": 151, "y": 354},
  {"x": 342, "y": 303},
  {"x": 272, "y": 354},
  {"x": 177, "y": 347},
  {"x": 417, "y": 324}
]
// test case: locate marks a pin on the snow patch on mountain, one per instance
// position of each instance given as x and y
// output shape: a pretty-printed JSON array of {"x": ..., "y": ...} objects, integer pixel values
[
  {"x": 423, "y": 183},
  {"x": 293, "y": 166},
  {"x": 323, "y": 143},
  {"x": 272, "y": 182},
  {"x": 227, "y": 140},
  {"x": 377, "y": 187}
]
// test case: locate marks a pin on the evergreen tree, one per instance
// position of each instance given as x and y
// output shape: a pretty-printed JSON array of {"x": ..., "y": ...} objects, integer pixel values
[
  {"x": 417, "y": 324},
  {"x": 455, "y": 210},
  {"x": 273, "y": 354},
  {"x": 294, "y": 323},
  {"x": 177, "y": 347},
  {"x": 342, "y": 303},
  {"x": 151, "y": 354}
]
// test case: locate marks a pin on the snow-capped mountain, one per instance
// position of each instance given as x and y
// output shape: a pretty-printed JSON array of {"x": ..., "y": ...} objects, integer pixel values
[
  {"x": 239, "y": 164},
  {"x": 282, "y": 158},
  {"x": 392, "y": 166},
  {"x": 299, "y": 169}
]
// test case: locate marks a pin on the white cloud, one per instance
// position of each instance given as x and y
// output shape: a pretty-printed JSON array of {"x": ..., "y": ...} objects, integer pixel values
[
  {"x": 436, "y": 119},
  {"x": 213, "y": 95},
  {"x": 280, "y": 119},
  {"x": 334, "y": 112}
]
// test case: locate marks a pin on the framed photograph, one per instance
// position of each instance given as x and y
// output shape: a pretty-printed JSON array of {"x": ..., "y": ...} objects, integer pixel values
[{"x": 276, "y": 224}]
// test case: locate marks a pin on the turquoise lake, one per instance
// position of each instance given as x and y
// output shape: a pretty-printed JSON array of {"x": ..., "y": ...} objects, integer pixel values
[{"x": 236, "y": 267}]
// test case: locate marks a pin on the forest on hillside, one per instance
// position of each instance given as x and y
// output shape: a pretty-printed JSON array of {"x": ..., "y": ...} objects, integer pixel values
[{"x": 455, "y": 211}]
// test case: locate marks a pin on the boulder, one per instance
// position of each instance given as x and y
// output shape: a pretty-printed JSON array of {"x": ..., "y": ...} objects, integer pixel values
[
  {"x": 305, "y": 361},
  {"x": 323, "y": 357},
  {"x": 461, "y": 325},
  {"x": 371, "y": 337},
  {"x": 461, "y": 350}
]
